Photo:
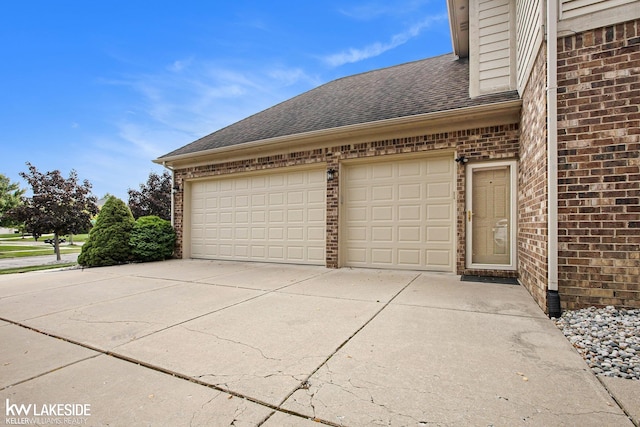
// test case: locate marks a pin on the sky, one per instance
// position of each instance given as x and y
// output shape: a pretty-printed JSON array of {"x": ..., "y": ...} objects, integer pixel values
[{"x": 104, "y": 87}]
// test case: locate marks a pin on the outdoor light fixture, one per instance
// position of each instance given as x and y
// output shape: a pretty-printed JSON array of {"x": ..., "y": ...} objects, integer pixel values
[
  {"x": 176, "y": 187},
  {"x": 331, "y": 174},
  {"x": 462, "y": 160}
]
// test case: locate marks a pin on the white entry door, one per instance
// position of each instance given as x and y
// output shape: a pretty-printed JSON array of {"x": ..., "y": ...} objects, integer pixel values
[{"x": 491, "y": 215}]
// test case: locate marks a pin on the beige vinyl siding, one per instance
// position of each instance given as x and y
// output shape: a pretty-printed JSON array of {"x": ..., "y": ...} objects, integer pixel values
[
  {"x": 492, "y": 64},
  {"x": 574, "y": 8},
  {"x": 529, "y": 36},
  {"x": 582, "y": 15}
]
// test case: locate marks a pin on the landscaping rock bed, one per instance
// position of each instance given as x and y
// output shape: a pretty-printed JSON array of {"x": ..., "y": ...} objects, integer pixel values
[{"x": 608, "y": 339}]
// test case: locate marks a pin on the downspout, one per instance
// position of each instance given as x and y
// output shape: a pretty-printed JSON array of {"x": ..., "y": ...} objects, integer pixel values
[
  {"x": 173, "y": 191},
  {"x": 553, "y": 298}
]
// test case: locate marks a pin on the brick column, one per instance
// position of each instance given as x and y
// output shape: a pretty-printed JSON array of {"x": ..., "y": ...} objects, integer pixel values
[{"x": 333, "y": 209}]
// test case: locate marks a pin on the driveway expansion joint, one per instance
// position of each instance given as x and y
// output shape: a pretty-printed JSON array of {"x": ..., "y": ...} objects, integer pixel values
[{"x": 174, "y": 374}]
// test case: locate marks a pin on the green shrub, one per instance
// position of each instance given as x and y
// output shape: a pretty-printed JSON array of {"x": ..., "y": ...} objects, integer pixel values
[
  {"x": 152, "y": 239},
  {"x": 108, "y": 242}
]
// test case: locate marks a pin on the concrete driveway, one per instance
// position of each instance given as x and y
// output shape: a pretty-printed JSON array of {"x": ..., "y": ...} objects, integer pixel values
[{"x": 206, "y": 343}]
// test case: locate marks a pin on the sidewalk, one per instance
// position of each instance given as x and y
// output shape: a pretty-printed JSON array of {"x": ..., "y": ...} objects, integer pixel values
[{"x": 29, "y": 261}]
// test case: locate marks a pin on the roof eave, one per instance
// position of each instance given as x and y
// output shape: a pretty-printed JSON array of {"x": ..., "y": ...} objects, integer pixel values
[
  {"x": 458, "y": 11},
  {"x": 448, "y": 120}
]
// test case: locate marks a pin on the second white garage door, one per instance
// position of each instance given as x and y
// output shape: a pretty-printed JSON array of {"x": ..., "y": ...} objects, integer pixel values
[
  {"x": 399, "y": 214},
  {"x": 272, "y": 217}
]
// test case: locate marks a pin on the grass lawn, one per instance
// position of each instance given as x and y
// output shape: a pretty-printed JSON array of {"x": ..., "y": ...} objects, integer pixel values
[
  {"x": 18, "y": 238},
  {"x": 14, "y": 246},
  {"x": 22, "y": 251}
]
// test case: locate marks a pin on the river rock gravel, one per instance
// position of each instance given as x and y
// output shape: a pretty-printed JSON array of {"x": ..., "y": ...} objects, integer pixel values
[{"x": 607, "y": 338}]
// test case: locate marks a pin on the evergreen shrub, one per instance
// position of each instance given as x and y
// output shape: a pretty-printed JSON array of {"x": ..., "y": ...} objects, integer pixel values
[
  {"x": 108, "y": 242},
  {"x": 152, "y": 239}
]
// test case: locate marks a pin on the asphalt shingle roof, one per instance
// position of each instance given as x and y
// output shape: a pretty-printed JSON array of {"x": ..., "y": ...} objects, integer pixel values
[{"x": 426, "y": 86}]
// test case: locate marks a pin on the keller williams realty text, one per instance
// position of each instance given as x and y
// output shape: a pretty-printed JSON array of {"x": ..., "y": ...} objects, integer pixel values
[{"x": 47, "y": 410}]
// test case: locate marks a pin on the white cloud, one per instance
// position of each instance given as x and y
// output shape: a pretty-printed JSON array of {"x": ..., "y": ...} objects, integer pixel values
[
  {"x": 179, "y": 65},
  {"x": 354, "y": 55},
  {"x": 374, "y": 9},
  {"x": 292, "y": 76},
  {"x": 192, "y": 98}
]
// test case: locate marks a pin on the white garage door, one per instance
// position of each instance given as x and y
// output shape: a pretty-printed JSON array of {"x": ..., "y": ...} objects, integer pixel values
[
  {"x": 399, "y": 214},
  {"x": 275, "y": 217}
]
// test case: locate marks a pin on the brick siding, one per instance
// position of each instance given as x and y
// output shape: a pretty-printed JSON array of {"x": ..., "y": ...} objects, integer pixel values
[
  {"x": 532, "y": 184},
  {"x": 489, "y": 143},
  {"x": 599, "y": 166}
]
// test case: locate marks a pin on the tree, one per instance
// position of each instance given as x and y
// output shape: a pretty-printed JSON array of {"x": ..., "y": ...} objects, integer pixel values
[
  {"x": 108, "y": 242},
  {"x": 152, "y": 239},
  {"x": 154, "y": 197},
  {"x": 58, "y": 205},
  {"x": 10, "y": 198}
]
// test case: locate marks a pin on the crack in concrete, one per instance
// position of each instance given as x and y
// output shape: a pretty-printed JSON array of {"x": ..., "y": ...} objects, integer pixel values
[{"x": 218, "y": 337}]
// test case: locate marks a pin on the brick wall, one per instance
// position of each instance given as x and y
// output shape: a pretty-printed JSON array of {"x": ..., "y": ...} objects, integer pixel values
[
  {"x": 496, "y": 142},
  {"x": 599, "y": 166},
  {"x": 532, "y": 184}
]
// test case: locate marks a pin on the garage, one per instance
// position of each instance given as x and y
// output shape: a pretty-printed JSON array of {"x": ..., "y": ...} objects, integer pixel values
[
  {"x": 399, "y": 214},
  {"x": 269, "y": 217}
]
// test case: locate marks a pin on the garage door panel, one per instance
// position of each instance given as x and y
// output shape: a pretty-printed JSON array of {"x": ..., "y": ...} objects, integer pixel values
[
  {"x": 276, "y": 233},
  {"x": 439, "y": 190},
  {"x": 276, "y": 253},
  {"x": 276, "y": 217},
  {"x": 409, "y": 257},
  {"x": 382, "y": 256},
  {"x": 399, "y": 214},
  {"x": 258, "y": 251},
  {"x": 295, "y": 178},
  {"x": 276, "y": 181},
  {"x": 295, "y": 197},
  {"x": 410, "y": 169},
  {"x": 295, "y": 253},
  {"x": 439, "y": 234},
  {"x": 440, "y": 258},
  {"x": 295, "y": 233},
  {"x": 257, "y": 200},
  {"x": 410, "y": 191},
  {"x": 409, "y": 233},
  {"x": 382, "y": 234},
  {"x": 258, "y": 182},
  {"x": 409, "y": 212},
  {"x": 356, "y": 194},
  {"x": 439, "y": 212},
  {"x": 276, "y": 199},
  {"x": 316, "y": 215},
  {"x": 380, "y": 194},
  {"x": 382, "y": 171},
  {"x": 316, "y": 196},
  {"x": 315, "y": 255},
  {"x": 316, "y": 234},
  {"x": 258, "y": 233},
  {"x": 241, "y": 233},
  {"x": 295, "y": 215}
]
